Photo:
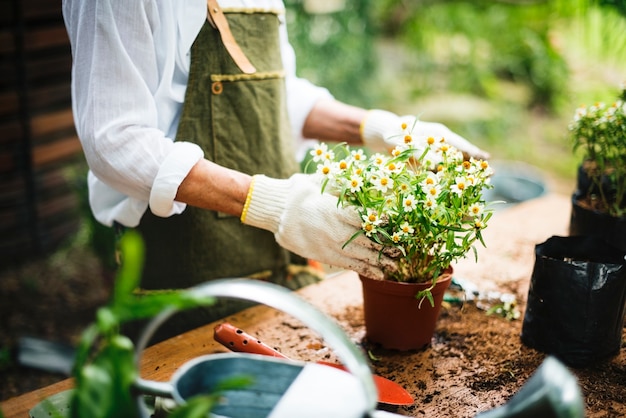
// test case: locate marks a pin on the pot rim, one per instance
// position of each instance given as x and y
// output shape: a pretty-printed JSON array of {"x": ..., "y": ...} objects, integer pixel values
[{"x": 404, "y": 288}]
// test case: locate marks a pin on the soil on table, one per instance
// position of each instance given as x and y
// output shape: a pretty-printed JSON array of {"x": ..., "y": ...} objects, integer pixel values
[{"x": 480, "y": 355}]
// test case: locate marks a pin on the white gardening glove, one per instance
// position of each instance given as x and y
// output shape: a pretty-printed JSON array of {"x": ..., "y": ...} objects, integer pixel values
[
  {"x": 379, "y": 125},
  {"x": 310, "y": 224}
]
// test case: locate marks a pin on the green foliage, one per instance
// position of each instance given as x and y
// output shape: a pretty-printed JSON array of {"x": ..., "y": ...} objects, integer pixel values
[
  {"x": 602, "y": 33},
  {"x": 5, "y": 357},
  {"x": 512, "y": 42},
  {"x": 620, "y": 5},
  {"x": 599, "y": 131},
  {"x": 103, "y": 387},
  {"x": 528, "y": 60},
  {"x": 105, "y": 367},
  {"x": 506, "y": 309},
  {"x": 336, "y": 49}
]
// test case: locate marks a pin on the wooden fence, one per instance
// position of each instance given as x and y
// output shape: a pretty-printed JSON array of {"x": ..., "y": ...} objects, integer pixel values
[{"x": 39, "y": 206}]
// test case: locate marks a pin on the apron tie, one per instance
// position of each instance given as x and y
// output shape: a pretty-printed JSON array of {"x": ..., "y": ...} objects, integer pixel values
[{"x": 219, "y": 22}]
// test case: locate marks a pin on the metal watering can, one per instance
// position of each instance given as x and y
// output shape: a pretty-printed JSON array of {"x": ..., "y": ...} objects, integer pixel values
[{"x": 281, "y": 388}]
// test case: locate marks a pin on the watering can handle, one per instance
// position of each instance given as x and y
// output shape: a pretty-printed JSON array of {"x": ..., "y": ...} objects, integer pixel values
[{"x": 279, "y": 298}]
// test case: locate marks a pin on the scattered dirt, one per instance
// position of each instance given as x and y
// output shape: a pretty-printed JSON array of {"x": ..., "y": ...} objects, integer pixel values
[
  {"x": 476, "y": 361},
  {"x": 485, "y": 352}
]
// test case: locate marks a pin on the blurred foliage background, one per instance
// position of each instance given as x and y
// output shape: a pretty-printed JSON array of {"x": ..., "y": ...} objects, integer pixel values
[{"x": 506, "y": 74}]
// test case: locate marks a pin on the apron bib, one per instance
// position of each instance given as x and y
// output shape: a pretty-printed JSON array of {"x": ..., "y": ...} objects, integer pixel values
[{"x": 240, "y": 120}]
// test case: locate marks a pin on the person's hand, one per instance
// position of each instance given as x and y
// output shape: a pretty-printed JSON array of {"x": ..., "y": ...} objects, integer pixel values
[
  {"x": 378, "y": 128},
  {"x": 310, "y": 224}
]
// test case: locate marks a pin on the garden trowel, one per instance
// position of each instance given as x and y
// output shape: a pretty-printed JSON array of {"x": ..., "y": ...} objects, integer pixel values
[{"x": 235, "y": 339}]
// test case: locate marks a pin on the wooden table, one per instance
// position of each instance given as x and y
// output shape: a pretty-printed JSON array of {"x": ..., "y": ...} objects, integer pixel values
[{"x": 438, "y": 386}]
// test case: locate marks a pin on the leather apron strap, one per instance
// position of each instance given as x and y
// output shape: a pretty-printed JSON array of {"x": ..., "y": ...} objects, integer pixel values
[{"x": 218, "y": 21}]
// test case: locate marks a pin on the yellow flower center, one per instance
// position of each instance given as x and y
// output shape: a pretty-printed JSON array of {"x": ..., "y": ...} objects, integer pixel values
[
  {"x": 404, "y": 125},
  {"x": 372, "y": 217},
  {"x": 325, "y": 170},
  {"x": 384, "y": 181},
  {"x": 343, "y": 165},
  {"x": 430, "y": 140},
  {"x": 408, "y": 139}
]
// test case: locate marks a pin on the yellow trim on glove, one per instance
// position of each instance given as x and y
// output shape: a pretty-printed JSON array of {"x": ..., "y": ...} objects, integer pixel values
[
  {"x": 362, "y": 125},
  {"x": 246, "y": 204}
]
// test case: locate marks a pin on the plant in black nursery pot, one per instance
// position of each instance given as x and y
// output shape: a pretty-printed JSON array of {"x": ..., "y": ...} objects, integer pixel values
[
  {"x": 599, "y": 202},
  {"x": 577, "y": 293}
]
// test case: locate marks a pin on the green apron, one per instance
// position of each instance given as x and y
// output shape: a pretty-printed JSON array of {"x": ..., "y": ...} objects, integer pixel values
[{"x": 241, "y": 122}]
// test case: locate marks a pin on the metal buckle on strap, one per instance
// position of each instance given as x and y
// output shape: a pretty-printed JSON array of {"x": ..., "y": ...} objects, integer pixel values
[{"x": 218, "y": 21}]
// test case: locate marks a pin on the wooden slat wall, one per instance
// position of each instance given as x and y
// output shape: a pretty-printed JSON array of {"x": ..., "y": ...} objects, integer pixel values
[{"x": 39, "y": 208}]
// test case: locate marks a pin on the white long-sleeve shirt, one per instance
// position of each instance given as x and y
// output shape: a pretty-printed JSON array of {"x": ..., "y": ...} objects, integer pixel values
[{"x": 130, "y": 68}]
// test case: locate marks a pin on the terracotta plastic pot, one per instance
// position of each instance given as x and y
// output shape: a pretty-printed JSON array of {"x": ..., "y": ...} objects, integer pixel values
[{"x": 395, "y": 318}]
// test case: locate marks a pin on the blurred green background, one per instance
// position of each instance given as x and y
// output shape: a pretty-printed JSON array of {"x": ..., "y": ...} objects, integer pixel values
[{"x": 506, "y": 74}]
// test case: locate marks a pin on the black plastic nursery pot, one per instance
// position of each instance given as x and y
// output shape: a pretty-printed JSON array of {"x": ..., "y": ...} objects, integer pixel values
[
  {"x": 576, "y": 300},
  {"x": 587, "y": 222}
]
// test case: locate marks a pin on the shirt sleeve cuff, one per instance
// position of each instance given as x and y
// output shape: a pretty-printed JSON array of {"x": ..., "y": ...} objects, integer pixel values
[{"x": 171, "y": 174}]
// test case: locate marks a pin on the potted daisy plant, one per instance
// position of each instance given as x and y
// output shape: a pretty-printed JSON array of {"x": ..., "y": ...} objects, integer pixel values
[
  {"x": 599, "y": 202},
  {"x": 423, "y": 204}
]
